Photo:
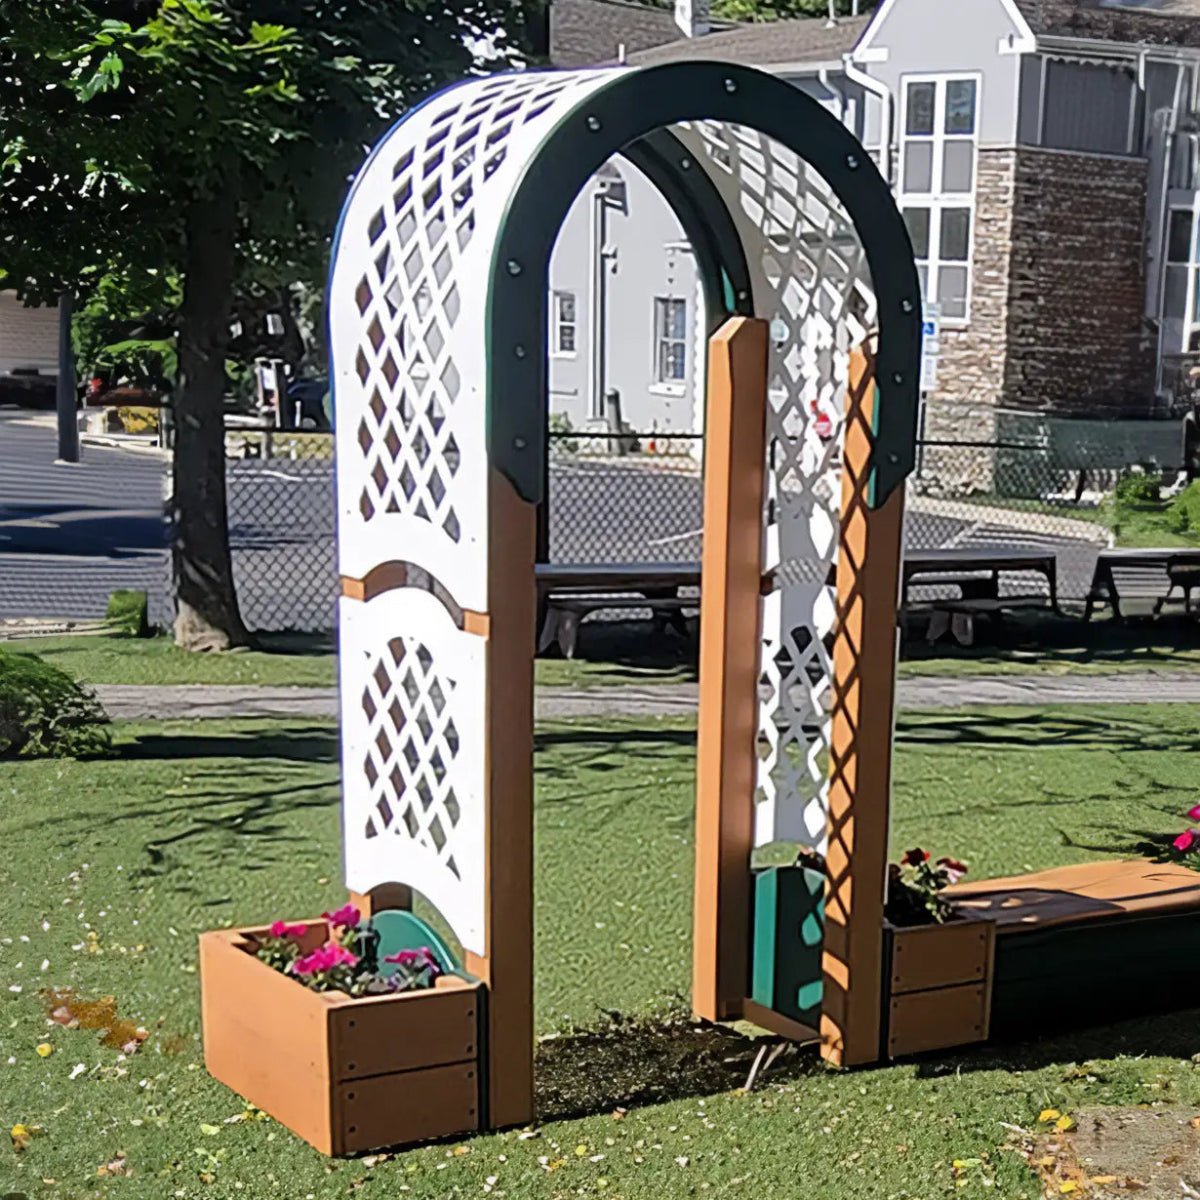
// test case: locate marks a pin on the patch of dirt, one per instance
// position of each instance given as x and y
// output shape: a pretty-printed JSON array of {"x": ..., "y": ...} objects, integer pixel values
[{"x": 1153, "y": 1152}]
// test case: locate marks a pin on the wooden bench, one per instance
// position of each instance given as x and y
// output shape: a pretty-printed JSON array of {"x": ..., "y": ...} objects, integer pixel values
[
  {"x": 1142, "y": 574},
  {"x": 957, "y": 616},
  {"x": 570, "y": 592}
]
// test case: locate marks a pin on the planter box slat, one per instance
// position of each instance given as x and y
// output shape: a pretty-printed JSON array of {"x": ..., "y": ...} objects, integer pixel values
[
  {"x": 936, "y": 1020},
  {"x": 432, "y": 1103},
  {"x": 345, "y": 1073},
  {"x": 936, "y": 956}
]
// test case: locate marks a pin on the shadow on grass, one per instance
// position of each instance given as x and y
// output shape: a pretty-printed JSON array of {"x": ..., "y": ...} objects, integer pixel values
[
  {"x": 305, "y": 744},
  {"x": 623, "y": 651},
  {"x": 303, "y": 645},
  {"x": 1054, "y": 731},
  {"x": 641, "y": 1061},
  {"x": 1051, "y": 641},
  {"x": 1167, "y": 1035}
]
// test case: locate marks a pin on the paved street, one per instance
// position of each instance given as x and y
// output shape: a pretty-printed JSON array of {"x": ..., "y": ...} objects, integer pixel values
[{"x": 69, "y": 535}]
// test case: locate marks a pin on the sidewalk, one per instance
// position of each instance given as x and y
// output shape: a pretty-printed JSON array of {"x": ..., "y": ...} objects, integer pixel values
[{"x": 128, "y": 702}]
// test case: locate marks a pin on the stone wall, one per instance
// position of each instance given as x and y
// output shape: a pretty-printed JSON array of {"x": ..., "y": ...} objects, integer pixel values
[{"x": 1077, "y": 340}]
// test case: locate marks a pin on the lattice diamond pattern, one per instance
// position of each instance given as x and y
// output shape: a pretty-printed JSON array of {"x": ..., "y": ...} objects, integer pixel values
[
  {"x": 810, "y": 274},
  {"x": 409, "y": 296}
]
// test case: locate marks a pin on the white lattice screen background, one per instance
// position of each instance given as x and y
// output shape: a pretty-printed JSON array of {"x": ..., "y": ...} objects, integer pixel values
[{"x": 408, "y": 321}]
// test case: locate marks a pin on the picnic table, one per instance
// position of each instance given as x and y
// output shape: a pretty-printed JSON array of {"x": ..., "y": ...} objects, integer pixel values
[
  {"x": 1141, "y": 572},
  {"x": 568, "y": 592},
  {"x": 976, "y": 572}
]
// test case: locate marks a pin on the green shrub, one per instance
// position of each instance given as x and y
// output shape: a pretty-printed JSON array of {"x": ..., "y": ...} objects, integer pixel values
[
  {"x": 1184, "y": 514},
  {"x": 1139, "y": 487},
  {"x": 45, "y": 713},
  {"x": 127, "y": 614}
]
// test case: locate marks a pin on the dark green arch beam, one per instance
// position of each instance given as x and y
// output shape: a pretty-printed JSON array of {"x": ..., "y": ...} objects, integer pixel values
[{"x": 637, "y": 104}]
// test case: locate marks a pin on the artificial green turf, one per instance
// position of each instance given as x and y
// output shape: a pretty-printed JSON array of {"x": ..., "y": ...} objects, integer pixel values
[{"x": 203, "y": 824}]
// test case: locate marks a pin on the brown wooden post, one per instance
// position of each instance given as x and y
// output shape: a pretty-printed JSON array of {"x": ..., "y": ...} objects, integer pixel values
[
  {"x": 864, "y": 673},
  {"x": 506, "y": 965},
  {"x": 734, "y": 463}
]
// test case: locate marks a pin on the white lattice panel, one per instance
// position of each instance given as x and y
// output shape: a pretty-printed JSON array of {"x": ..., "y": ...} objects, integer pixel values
[
  {"x": 408, "y": 306},
  {"x": 412, "y": 692},
  {"x": 810, "y": 279}
]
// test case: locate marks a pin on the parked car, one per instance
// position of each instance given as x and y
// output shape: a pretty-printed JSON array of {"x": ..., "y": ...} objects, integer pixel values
[{"x": 29, "y": 389}]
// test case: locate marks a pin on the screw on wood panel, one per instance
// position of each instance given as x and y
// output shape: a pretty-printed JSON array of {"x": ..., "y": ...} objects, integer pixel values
[
  {"x": 470, "y": 1074},
  {"x": 349, "y": 1095},
  {"x": 351, "y": 1024},
  {"x": 470, "y": 1012},
  {"x": 350, "y": 1066},
  {"x": 352, "y": 1129}
]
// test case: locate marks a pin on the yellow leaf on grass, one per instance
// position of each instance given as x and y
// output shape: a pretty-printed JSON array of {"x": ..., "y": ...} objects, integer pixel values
[
  {"x": 1065, "y": 1124},
  {"x": 1103, "y": 1179},
  {"x": 211, "y": 1130},
  {"x": 45, "y": 1050},
  {"x": 20, "y": 1137},
  {"x": 581, "y": 1151},
  {"x": 1049, "y": 1114}
]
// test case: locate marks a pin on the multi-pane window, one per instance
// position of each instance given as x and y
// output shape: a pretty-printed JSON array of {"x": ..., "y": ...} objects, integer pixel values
[
  {"x": 670, "y": 325},
  {"x": 563, "y": 328},
  {"x": 937, "y": 185},
  {"x": 1181, "y": 288}
]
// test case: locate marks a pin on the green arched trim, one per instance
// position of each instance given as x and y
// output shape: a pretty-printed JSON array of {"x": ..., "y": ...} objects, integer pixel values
[{"x": 637, "y": 104}]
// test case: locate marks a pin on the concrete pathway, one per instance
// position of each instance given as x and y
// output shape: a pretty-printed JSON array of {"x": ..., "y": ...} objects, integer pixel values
[{"x": 667, "y": 700}]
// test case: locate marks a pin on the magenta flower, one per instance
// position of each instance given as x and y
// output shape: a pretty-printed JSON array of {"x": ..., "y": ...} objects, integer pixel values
[
  {"x": 1194, "y": 812},
  {"x": 346, "y": 917},
  {"x": 416, "y": 959},
  {"x": 324, "y": 958},
  {"x": 915, "y": 857},
  {"x": 281, "y": 929},
  {"x": 954, "y": 870},
  {"x": 1185, "y": 841}
]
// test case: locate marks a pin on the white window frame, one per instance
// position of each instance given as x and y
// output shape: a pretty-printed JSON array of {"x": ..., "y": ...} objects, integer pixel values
[
  {"x": 557, "y": 323},
  {"x": 659, "y": 385},
  {"x": 1190, "y": 324},
  {"x": 937, "y": 199}
]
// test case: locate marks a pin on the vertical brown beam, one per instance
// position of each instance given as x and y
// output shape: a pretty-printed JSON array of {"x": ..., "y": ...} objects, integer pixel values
[
  {"x": 734, "y": 461},
  {"x": 506, "y": 965},
  {"x": 864, "y": 674}
]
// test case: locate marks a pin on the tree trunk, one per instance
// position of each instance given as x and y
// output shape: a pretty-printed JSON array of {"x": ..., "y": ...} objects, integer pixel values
[{"x": 207, "y": 616}]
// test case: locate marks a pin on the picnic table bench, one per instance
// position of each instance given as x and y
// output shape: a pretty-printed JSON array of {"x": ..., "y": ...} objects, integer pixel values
[
  {"x": 1140, "y": 574},
  {"x": 569, "y": 592},
  {"x": 975, "y": 571}
]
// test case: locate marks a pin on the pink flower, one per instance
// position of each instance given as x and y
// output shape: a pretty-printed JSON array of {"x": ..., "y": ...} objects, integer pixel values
[
  {"x": 1194, "y": 812},
  {"x": 324, "y": 958},
  {"x": 416, "y": 959},
  {"x": 1185, "y": 841},
  {"x": 954, "y": 870},
  {"x": 346, "y": 917},
  {"x": 915, "y": 857},
  {"x": 281, "y": 929}
]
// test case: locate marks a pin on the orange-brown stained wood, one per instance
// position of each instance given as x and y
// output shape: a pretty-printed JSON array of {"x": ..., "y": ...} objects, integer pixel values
[
  {"x": 441, "y": 1026},
  {"x": 864, "y": 668},
  {"x": 266, "y": 1037},
  {"x": 507, "y": 964},
  {"x": 433, "y": 1103},
  {"x": 934, "y": 956},
  {"x": 381, "y": 898},
  {"x": 937, "y": 1020},
  {"x": 726, "y": 764},
  {"x": 283, "y": 1047}
]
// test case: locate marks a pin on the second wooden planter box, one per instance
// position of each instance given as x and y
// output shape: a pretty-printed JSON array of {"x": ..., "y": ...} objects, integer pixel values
[
  {"x": 938, "y": 985},
  {"x": 347, "y": 1074}
]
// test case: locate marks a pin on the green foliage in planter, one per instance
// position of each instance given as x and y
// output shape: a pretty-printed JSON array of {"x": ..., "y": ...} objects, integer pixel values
[
  {"x": 45, "y": 713},
  {"x": 127, "y": 614}
]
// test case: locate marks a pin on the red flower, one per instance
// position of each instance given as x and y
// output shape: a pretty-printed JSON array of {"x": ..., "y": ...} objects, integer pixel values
[
  {"x": 1185, "y": 841},
  {"x": 423, "y": 958},
  {"x": 324, "y": 958},
  {"x": 953, "y": 869},
  {"x": 281, "y": 929},
  {"x": 915, "y": 857},
  {"x": 346, "y": 917},
  {"x": 1194, "y": 812}
]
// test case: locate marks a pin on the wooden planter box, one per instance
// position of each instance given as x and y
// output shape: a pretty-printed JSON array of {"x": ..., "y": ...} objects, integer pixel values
[
  {"x": 938, "y": 985},
  {"x": 347, "y": 1074}
]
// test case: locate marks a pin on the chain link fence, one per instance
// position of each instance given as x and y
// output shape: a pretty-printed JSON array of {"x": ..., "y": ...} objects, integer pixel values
[{"x": 637, "y": 497}]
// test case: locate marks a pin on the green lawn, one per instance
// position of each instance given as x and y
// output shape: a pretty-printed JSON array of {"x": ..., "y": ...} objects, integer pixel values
[{"x": 110, "y": 869}]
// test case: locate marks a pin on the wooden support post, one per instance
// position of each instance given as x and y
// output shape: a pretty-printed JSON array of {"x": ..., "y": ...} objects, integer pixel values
[
  {"x": 506, "y": 965},
  {"x": 380, "y": 899},
  {"x": 864, "y": 674},
  {"x": 727, "y": 764}
]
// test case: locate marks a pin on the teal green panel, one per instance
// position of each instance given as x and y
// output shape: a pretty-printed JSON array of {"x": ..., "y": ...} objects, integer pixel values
[
  {"x": 809, "y": 996},
  {"x": 785, "y": 972},
  {"x": 402, "y": 930}
]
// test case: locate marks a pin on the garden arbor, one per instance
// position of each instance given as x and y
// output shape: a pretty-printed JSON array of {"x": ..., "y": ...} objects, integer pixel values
[{"x": 438, "y": 317}]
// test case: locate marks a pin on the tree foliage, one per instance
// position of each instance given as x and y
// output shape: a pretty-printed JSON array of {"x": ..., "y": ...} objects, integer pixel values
[
  {"x": 209, "y": 143},
  {"x": 777, "y": 10}
]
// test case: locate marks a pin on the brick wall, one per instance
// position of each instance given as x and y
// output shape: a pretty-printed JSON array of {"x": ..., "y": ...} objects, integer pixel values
[{"x": 1077, "y": 342}]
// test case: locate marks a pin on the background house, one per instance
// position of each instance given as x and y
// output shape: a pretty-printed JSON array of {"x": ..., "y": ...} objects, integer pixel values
[
  {"x": 1046, "y": 155},
  {"x": 28, "y": 337}
]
